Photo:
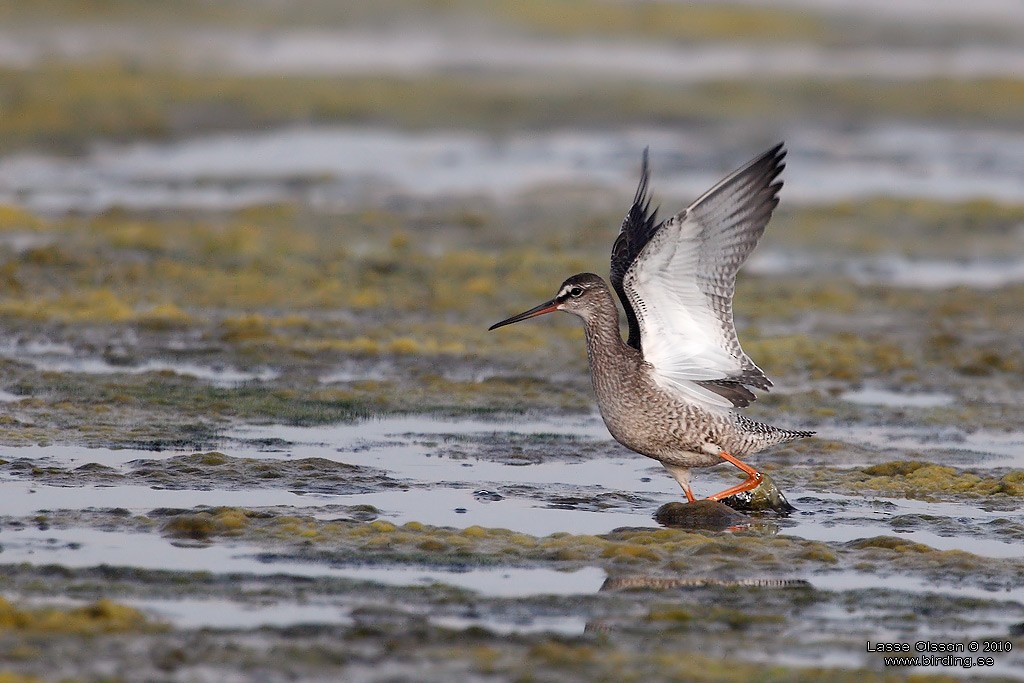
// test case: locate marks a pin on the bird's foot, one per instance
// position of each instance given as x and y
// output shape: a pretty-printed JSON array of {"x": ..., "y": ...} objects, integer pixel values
[
  {"x": 757, "y": 492},
  {"x": 765, "y": 497},
  {"x": 751, "y": 482}
]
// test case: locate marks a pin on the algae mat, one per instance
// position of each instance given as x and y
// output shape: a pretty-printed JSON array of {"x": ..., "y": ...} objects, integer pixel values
[{"x": 252, "y": 426}]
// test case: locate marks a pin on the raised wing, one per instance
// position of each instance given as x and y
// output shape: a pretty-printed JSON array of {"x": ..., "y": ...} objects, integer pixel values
[
  {"x": 681, "y": 286},
  {"x": 638, "y": 227}
]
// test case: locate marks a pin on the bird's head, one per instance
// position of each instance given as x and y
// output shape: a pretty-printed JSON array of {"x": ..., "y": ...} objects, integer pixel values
[{"x": 579, "y": 295}]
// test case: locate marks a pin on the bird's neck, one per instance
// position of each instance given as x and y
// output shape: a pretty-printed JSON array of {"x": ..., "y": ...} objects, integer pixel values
[{"x": 604, "y": 342}]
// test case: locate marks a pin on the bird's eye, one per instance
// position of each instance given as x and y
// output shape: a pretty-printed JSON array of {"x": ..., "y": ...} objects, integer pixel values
[{"x": 576, "y": 291}]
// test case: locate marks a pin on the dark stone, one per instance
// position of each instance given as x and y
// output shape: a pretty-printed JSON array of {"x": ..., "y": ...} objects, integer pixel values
[{"x": 700, "y": 514}]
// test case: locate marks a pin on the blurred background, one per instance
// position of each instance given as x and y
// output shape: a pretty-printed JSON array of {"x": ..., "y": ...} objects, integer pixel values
[
  {"x": 235, "y": 224},
  {"x": 219, "y": 105},
  {"x": 385, "y": 134}
]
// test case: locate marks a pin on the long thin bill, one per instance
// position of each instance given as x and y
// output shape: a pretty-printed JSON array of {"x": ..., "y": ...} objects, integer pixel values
[{"x": 546, "y": 307}]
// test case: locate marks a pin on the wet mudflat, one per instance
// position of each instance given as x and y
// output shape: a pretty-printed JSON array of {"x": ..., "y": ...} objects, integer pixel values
[
  {"x": 387, "y": 492},
  {"x": 265, "y": 472},
  {"x": 474, "y": 545},
  {"x": 252, "y": 426}
]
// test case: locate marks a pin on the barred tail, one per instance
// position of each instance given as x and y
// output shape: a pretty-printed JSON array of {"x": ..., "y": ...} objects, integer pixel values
[
  {"x": 767, "y": 435},
  {"x": 793, "y": 434}
]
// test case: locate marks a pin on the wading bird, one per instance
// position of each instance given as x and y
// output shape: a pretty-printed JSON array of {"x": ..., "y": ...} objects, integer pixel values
[{"x": 670, "y": 390}]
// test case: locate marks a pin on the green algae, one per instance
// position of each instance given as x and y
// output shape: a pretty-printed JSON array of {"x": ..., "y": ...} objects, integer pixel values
[
  {"x": 245, "y": 327},
  {"x": 202, "y": 470},
  {"x": 325, "y": 294},
  {"x": 915, "y": 226},
  {"x": 899, "y": 545},
  {"x": 66, "y": 105},
  {"x": 17, "y": 219},
  {"x": 565, "y": 20},
  {"x": 102, "y": 616},
  {"x": 185, "y": 412},
  {"x": 11, "y": 677},
  {"x": 920, "y": 479},
  {"x": 689, "y": 553},
  {"x": 733, "y": 619},
  {"x": 663, "y": 553},
  {"x": 233, "y": 281},
  {"x": 202, "y": 526},
  {"x": 840, "y": 357},
  {"x": 243, "y": 264},
  {"x": 255, "y": 269},
  {"x": 584, "y": 661},
  {"x": 578, "y": 18},
  {"x": 790, "y": 297},
  {"x": 630, "y": 635}
]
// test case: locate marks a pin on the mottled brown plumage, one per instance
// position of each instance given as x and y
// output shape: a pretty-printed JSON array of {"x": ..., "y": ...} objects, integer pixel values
[{"x": 669, "y": 391}]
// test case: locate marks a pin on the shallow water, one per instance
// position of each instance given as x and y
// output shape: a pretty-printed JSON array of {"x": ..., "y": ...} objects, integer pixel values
[
  {"x": 960, "y": 446},
  {"x": 1001, "y": 12},
  {"x": 893, "y": 269},
  {"x": 556, "y": 484},
  {"x": 331, "y": 167},
  {"x": 87, "y": 548},
  {"x": 532, "y": 475},
  {"x": 459, "y": 507},
  {"x": 424, "y": 54},
  {"x": 229, "y": 614},
  {"x": 855, "y": 524},
  {"x": 873, "y": 396},
  {"x": 339, "y": 436},
  {"x": 218, "y": 376},
  {"x": 90, "y": 548},
  {"x": 77, "y": 523},
  {"x": 49, "y": 357},
  {"x": 852, "y": 580},
  {"x": 427, "y": 50}
]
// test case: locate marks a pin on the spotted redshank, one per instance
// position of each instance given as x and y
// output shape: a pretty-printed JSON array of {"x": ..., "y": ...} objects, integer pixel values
[{"x": 670, "y": 391}]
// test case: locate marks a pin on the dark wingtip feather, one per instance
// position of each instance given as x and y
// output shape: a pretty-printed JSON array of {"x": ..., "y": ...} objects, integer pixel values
[
  {"x": 778, "y": 155},
  {"x": 773, "y": 163},
  {"x": 640, "y": 218},
  {"x": 645, "y": 174},
  {"x": 638, "y": 227},
  {"x": 640, "y": 214}
]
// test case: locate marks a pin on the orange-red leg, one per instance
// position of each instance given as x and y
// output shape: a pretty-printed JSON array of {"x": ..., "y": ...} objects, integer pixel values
[
  {"x": 689, "y": 494},
  {"x": 753, "y": 478},
  {"x": 682, "y": 477}
]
